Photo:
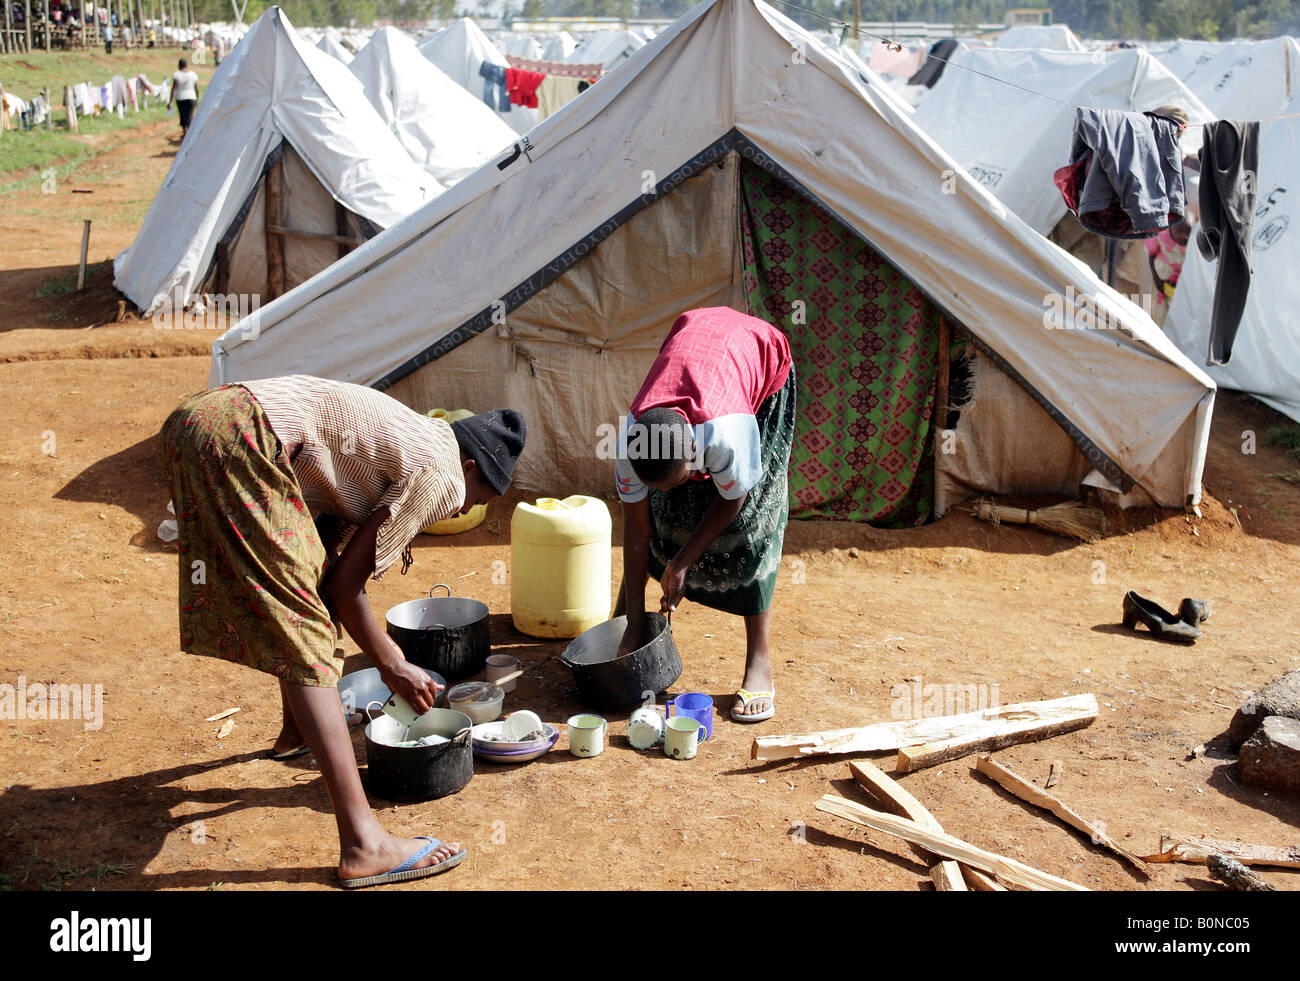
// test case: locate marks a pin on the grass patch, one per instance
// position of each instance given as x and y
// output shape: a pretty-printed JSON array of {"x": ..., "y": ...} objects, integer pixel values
[
  {"x": 1287, "y": 436},
  {"x": 54, "y": 875}
]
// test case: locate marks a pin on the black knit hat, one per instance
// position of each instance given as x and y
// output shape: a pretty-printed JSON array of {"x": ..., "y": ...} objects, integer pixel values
[{"x": 493, "y": 440}]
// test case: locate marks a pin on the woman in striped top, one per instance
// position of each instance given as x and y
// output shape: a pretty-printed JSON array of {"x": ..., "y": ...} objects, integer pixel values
[{"x": 290, "y": 493}]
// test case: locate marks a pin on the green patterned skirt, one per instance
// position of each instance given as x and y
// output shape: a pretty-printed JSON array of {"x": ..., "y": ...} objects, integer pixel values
[
  {"x": 737, "y": 573},
  {"x": 251, "y": 560}
]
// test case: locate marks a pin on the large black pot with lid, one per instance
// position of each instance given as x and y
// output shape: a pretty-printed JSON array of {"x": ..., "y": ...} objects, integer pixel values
[
  {"x": 446, "y": 634},
  {"x": 612, "y": 683}
]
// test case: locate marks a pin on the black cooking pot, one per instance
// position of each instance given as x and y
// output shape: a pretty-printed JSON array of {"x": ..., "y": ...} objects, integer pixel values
[
  {"x": 413, "y": 773},
  {"x": 448, "y": 635},
  {"x": 606, "y": 681}
]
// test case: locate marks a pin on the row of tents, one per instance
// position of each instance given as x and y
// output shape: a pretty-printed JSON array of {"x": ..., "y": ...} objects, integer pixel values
[{"x": 703, "y": 170}]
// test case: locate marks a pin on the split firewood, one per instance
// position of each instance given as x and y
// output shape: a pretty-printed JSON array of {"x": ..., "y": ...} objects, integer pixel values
[
  {"x": 896, "y": 799},
  {"x": 1016, "y": 724},
  {"x": 980, "y": 882},
  {"x": 221, "y": 715},
  {"x": 1026, "y": 791},
  {"x": 942, "y": 843},
  {"x": 1237, "y": 876},
  {"x": 1054, "y": 776},
  {"x": 1021, "y": 722},
  {"x": 226, "y": 729},
  {"x": 1198, "y": 851}
]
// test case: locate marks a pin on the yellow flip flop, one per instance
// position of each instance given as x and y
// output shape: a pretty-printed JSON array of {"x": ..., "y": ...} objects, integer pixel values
[{"x": 746, "y": 696}]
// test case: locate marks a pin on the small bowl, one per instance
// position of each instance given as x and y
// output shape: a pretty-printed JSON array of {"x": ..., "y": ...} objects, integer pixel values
[
  {"x": 477, "y": 699},
  {"x": 498, "y": 751},
  {"x": 360, "y": 688}
]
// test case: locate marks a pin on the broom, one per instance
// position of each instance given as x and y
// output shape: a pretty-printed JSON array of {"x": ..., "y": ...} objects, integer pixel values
[{"x": 1074, "y": 519}]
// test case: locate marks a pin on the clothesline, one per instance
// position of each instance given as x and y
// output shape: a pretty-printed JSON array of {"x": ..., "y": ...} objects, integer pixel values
[
  {"x": 897, "y": 45},
  {"x": 588, "y": 73}
]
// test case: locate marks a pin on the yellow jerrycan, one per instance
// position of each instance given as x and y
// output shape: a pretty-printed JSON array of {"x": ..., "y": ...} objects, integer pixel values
[
  {"x": 560, "y": 566},
  {"x": 457, "y": 522}
]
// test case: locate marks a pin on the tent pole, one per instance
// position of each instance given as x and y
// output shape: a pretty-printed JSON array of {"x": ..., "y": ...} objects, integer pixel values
[{"x": 274, "y": 240}]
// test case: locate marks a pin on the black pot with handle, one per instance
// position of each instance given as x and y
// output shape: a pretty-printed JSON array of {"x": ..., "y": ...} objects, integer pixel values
[
  {"x": 447, "y": 634},
  {"x": 416, "y": 773},
  {"x": 606, "y": 681}
]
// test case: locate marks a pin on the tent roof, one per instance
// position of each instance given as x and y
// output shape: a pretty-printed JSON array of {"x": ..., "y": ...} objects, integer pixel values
[
  {"x": 330, "y": 43},
  {"x": 1052, "y": 37},
  {"x": 444, "y": 129},
  {"x": 273, "y": 87},
  {"x": 1238, "y": 79},
  {"x": 1138, "y": 406},
  {"x": 1012, "y": 139},
  {"x": 607, "y": 48}
]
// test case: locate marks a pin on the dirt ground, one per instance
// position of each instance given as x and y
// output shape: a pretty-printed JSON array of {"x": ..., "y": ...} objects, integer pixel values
[{"x": 153, "y": 800}]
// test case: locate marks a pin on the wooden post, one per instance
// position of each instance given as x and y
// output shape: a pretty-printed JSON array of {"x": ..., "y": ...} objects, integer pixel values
[
  {"x": 70, "y": 104},
  {"x": 8, "y": 28},
  {"x": 4, "y": 113},
  {"x": 85, "y": 246},
  {"x": 49, "y": 109},
  {"x": 274, "y": 240},
  {"x": 341, "y": 228},
  {"x": 27, "y": 22},
  {"x": 48, "y": 24}
]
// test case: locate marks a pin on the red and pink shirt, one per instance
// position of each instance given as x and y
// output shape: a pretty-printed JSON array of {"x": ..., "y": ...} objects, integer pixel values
[{"x": 715, "y": 368}]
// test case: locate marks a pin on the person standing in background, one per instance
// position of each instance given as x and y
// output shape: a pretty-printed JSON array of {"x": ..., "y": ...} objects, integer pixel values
[{"x": 185, "y": 93}]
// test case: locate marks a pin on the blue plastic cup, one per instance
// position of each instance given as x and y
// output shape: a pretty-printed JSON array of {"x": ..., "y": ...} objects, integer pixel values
[{"x": 693, "y": 705}]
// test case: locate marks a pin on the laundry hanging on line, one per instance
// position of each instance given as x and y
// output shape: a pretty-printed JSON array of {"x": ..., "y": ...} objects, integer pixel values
[
  {"x": 523, "y": 86},
  {"x": 1229, "y": 174},
  {"x": 1125, "y": 176},
  {"x": 495, "y": 93}
]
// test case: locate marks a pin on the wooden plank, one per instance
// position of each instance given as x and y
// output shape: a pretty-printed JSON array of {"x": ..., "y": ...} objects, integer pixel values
[
  {"x": 897, "y": 799},
  {"x": 1027, "y": 792},
  {"x": 1009, "y": 730},
  {"x": 343, "y": 240},
  {"x": 887, "y": 736},
  {"x": 274, "y": 193},
  {"x": 341, "y": 229},
  {"x": 942, "y": 843},
  {"x": 946, "y": 876},
  {"x": 980, "y": 882},
  {"x": 1198, "y": 850}
]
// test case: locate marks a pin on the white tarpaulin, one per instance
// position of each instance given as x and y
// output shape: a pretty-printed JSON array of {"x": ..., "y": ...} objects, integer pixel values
[
  {"x": 458, "y": 52},
  {"x": 1051, "y": 37},
  {"x": 608, "y": 48},
  {"x": 1011, "y": 140},
  {"x": 445, "y": 130},
  {"x": 330, "y": 43},
  {"x": 1238, "y": 79},
  {"x": 429, "y": 294},
  {"x": 1266, "y": 355},
  {"x": 274, "y": 87}
]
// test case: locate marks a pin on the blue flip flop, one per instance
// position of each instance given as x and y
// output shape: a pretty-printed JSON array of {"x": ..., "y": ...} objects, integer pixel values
[{"x": 406, "y": 871}]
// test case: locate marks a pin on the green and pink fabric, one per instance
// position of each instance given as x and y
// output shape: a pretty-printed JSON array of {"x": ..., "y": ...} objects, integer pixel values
[{"x": 866, "y": 344}]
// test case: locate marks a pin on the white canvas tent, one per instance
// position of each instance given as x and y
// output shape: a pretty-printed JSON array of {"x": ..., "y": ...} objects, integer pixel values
[
  {"x": 520, "y": 45},
  {"x": 1239, "y": 79},
  {"x": 1039, "y": 37},
  {"x": 331, "y": 43},
  {"x": 1011, "y": 140},
  {"x": 1266, "y": 355},
  {"x": 560, "y": 47},
  {"x": 279, "y": 108},
  {"x": 635, "y": 190},
  {"x": 445, "y": 130},
  {"x": 608, "y": 48},
  {"x": 458, "y": 52}
]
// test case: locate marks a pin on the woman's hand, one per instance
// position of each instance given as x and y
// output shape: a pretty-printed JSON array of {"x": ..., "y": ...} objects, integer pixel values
[
  {"x": 673, "y": 584},
  {"x": 405, "y": 679}
]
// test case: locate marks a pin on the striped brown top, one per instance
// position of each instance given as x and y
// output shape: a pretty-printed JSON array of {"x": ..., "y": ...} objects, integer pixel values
[{"x": 358, "y": 449}]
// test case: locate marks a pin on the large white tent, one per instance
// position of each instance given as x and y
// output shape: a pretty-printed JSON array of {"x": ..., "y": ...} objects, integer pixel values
[
  {"x": 1238, "y": 79},
  {"x": 608, "y": 48},
  {"x": 1007, "y": 116},
  {"x": 641, "y": 199},
  {"x": 331, "y": 42},
  {"x": 1039, "y": 37},
  {"x": 1266, "y": 355},
  {"x": 560, "y": 47},
  {"x": 445, "y": 130},
  {"x": 459, "y": 51},
  {"x": 277, "y": 106}
]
